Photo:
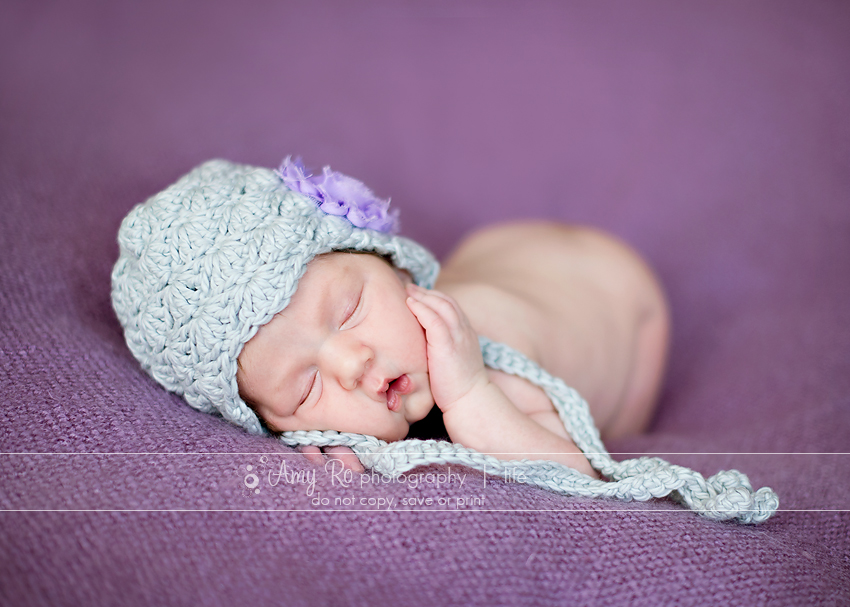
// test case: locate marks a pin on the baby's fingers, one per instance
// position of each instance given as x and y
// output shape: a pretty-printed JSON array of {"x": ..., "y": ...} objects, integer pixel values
[
  {"x": 313, "y": 454},
  {"x": 346, "y": 457},
  {"x": 443, "y": 305},
  {"x": 436, "y": 331},
  {"x": 415, "y": 288}
]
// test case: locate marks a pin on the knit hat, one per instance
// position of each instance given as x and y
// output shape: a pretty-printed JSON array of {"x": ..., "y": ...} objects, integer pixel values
[
  {"x": 212, "y": 258},
  {"x": 215, "y": 256}
]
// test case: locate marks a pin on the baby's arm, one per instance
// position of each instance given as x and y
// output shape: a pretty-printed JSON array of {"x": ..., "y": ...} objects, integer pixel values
[{"x": 476, "y": 412}]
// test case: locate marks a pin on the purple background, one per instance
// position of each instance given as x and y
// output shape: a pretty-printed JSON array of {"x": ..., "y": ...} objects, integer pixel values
[{"x": 714, "y": 138}]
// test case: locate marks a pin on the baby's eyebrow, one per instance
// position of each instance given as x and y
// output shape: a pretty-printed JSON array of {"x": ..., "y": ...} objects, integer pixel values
[
  {"x": 323, "y": 310},
  {"x": 334, "y": 298}
]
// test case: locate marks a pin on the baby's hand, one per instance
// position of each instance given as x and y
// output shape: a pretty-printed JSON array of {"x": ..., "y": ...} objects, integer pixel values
[
  {"x": 455, "y": 364},
  {"x": 344, "y": 455}
]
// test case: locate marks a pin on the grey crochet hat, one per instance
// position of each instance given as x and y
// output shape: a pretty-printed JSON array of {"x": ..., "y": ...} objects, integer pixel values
[
  {"x": 206, "y": 262},
  {"x": 215, "y": 256}
]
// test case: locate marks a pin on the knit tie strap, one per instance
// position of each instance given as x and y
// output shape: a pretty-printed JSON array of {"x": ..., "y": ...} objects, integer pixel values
[{"x": 727, "y": 495}]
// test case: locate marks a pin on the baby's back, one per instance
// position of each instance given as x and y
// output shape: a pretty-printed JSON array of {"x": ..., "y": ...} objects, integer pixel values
[{"x": 577, "y": 301}]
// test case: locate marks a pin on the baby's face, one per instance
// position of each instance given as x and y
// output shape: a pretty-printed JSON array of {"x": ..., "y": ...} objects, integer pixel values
[{"x": 346, "y": 354}]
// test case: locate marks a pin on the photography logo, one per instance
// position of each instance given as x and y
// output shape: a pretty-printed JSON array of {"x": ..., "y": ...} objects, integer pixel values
[
  {"x": 252, "y": 481},
  {"x": 254, "y": 474}
]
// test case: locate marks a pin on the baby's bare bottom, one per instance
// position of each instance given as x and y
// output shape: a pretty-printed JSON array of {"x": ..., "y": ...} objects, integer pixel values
[{"x": 579, "y": 302}]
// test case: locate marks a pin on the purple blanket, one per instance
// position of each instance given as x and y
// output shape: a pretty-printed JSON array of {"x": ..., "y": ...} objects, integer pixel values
[{"x": 714, "y": 138}]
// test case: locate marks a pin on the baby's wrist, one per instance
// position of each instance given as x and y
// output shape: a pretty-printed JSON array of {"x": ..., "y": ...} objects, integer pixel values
[
  {"x": 470, "y": 396},
  {"x": 478, "y": 419}
]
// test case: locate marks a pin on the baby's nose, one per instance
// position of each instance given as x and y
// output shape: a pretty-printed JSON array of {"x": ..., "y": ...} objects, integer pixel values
[{"x": 350, "y": 360}]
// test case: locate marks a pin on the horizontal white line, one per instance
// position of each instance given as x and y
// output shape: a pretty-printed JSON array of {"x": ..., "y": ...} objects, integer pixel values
[
  {"x": 673, "y": 511},
  {"x": 526, "y": 456}
]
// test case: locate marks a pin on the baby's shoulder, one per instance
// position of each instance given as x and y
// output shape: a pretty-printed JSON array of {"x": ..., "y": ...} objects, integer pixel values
[
  {"x": 538, "y": 247},
  {"x": 551, "y": 267},
  {"x": 500, "y": 313}
]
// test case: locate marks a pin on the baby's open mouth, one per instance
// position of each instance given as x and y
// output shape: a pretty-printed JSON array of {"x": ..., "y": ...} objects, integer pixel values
[{"x": 397, "y": 387}]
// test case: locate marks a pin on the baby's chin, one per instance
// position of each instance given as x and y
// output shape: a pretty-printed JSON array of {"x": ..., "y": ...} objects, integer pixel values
[
  {"x": 394, "y": 435},
  {"x": 402, "y": 429},
  {"x": 419, "y": 407}
]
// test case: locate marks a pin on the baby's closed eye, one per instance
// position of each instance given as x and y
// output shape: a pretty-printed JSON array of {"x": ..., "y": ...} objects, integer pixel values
[
  {"x": 314, "y": 385},
  {"x": 352, "y": 312}
]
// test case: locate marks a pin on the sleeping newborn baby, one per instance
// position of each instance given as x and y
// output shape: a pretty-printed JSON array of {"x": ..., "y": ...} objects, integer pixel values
[
  {"x": 360, "y": 348},
  {"x": 284, "y": 302},
  {"x": 283, "y": 295}
]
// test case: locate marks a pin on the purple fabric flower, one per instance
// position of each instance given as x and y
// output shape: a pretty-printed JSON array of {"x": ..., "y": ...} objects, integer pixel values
[{"x": 338, "y": 194}]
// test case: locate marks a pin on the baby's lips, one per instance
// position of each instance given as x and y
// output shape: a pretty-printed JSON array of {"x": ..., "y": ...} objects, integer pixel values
[
  {"x": 393, "y": 400},
  {"x": 398, "y": 387},
  {"x": 402, "y": 384}
]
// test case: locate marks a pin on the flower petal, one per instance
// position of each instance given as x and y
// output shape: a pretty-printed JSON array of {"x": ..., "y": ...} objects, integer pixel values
[{"x": 339, "y": 194}]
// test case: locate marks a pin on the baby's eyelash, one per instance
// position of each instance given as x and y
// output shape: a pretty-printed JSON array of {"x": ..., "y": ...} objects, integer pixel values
[
  {"x": 354, "y": 311},
  {"x": 312, "y": 387}
]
